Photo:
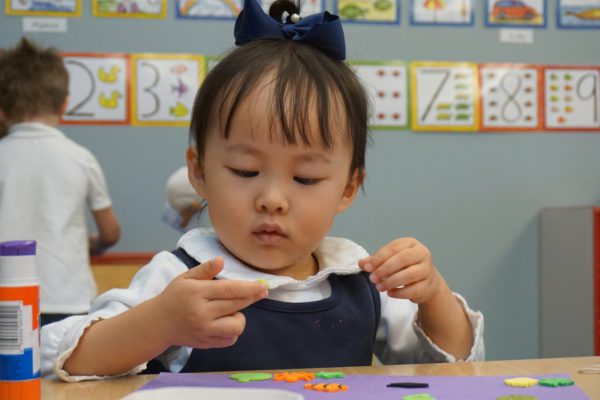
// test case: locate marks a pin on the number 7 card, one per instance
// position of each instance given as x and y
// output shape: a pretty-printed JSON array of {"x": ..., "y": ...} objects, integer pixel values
[{"x": 445, "y": 96}]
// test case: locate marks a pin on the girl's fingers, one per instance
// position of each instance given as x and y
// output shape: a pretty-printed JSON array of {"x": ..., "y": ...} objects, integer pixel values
[
  {"x": 376, "y": 259},
  {"x": 396, "y": 263},
  {"x": 224, "y": 307},
  {"x": 230, "y": 326},
  {"x": 406, "y": 277},
  {"x": 413, "y": 292},
  {"x": 229, "y": 290},
  {"x": 205, "y": 271}
]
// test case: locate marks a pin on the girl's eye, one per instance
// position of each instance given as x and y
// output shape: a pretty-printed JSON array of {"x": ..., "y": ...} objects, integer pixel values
[
  {"x": 244, "y": 174},
  {"x": 305, "y": 181}
]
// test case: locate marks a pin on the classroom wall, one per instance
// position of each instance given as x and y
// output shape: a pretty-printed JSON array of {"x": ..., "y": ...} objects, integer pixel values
[{"x": 474, "y": 199}]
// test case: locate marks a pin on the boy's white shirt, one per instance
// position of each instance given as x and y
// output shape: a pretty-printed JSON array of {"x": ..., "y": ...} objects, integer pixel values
[
  {"x": 50, "y": 181},
  {"x": 406, "y": 342}
]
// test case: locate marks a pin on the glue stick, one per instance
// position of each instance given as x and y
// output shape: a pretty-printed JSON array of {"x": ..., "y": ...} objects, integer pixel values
[{"x": 19, "y": 322}]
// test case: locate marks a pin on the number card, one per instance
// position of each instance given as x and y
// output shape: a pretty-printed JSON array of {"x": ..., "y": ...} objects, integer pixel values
[
  {"x": 54, "y": 8},
  {"x": 209, "y": 9},
  {"x": 130, "y": 8},
  {"x": 572, "y": 98},
  {"x": 386, "y": 83},
  {"x": 511, "y": 97},
  {"x": 164, "y": 87},
  {"x": 368, "y": 11},
  {"x": 98, "y": 88},
  {"x": 444, "y": 96}
]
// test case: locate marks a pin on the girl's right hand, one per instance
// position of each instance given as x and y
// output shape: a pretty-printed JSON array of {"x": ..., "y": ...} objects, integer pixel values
[{"x": 196, "y": 311}]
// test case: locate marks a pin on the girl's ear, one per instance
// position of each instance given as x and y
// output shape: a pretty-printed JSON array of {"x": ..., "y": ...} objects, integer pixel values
[
  {"x": 351, "y": 189},
  {"x": 195, "y": 171}
]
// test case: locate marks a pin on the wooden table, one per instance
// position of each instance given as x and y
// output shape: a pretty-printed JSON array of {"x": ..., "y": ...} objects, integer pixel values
[{"x": 589, "y": 383}]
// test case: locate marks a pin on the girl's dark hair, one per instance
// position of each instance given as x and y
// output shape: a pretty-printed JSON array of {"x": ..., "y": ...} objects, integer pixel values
[{"x": 299, "y": 72}]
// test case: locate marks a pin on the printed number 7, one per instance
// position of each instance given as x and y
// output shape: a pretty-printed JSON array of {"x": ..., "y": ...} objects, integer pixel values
[{"x": 438, "y": 90}]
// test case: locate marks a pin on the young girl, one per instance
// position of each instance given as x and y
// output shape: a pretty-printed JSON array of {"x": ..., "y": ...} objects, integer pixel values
[{"x": 279, "y": 130}]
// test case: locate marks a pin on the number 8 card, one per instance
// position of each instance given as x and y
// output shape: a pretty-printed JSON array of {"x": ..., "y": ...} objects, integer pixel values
[
  {"x": 511, "y": 97},
  {"x": 445, "y": 96},
  {"x": 164, "y": 88},
  {"x": 98, "y": 89}
]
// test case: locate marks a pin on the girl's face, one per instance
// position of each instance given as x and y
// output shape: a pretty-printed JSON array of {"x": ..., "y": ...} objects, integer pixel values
[{"x": 272, "y": 203}]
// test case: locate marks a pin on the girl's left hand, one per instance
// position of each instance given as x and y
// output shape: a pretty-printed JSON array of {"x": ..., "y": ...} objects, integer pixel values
[{"x": 404, "y": 268}]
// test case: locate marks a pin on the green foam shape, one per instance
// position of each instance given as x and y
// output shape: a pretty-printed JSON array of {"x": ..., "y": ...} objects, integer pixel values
[
  {"x": 555, "y": 382},
  {"x": 251, "y": 376},
  {"x": 329, "y": 375},
  {"x": 418, "y": 396}
]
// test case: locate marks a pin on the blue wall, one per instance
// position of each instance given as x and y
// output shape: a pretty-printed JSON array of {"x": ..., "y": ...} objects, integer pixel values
[{"x": 473, "y": 199}]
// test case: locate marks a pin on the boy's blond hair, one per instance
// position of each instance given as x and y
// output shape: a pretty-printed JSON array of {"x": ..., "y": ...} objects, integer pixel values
[{"x": 33, "y": 81}]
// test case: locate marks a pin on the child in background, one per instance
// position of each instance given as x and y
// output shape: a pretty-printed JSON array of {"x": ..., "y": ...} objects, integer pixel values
[
  {"x": 183, "y": 203},
  {"x": 279, "y": 131},
  {"x": 46, "y": 180}
]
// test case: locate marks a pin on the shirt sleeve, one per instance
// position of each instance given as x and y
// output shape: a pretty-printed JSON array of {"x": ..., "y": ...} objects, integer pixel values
[
  {"x": 403, "y": 341},
  {"x": 97, "y": 194},
  {"x": 58, "y": 340}
]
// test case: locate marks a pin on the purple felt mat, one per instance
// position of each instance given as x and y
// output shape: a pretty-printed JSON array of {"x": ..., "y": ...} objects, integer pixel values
[{"x": 374, "y": 386}]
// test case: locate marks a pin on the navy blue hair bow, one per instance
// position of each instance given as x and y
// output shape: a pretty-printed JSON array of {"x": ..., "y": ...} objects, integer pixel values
[{"x": 323, "y": 30}]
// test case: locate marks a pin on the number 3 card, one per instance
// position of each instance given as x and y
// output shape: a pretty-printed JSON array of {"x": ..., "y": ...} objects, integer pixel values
[
  {"x": 444, "y": 96},
  {"x": 98, "y": 89},
  {"x": 165, "y": 86}
]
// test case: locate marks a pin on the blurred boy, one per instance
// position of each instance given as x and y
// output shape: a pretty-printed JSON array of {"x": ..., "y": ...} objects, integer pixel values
[
  {"x": 46, "y": 181},
  {"x": 183, "y": 203}
]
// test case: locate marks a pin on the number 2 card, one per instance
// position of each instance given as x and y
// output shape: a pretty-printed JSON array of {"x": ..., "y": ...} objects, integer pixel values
[{"x": 98, "y": 89}]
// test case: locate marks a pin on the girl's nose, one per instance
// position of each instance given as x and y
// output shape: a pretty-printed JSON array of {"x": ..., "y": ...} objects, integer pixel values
[{"x": 272, "y": 199}]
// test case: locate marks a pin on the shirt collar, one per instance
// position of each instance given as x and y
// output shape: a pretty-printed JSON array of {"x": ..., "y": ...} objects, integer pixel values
[
  {"x": 33, "y": 129},
  {"x": 335, "y": 256}
]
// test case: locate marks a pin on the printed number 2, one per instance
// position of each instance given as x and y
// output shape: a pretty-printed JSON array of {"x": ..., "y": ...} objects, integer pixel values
[{"x": 74, "y": 112}]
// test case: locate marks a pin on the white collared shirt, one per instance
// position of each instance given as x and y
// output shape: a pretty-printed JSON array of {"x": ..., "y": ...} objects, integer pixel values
[
  {"x": 46, "y": 183},
  {"x": 405, "y": 340}
]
